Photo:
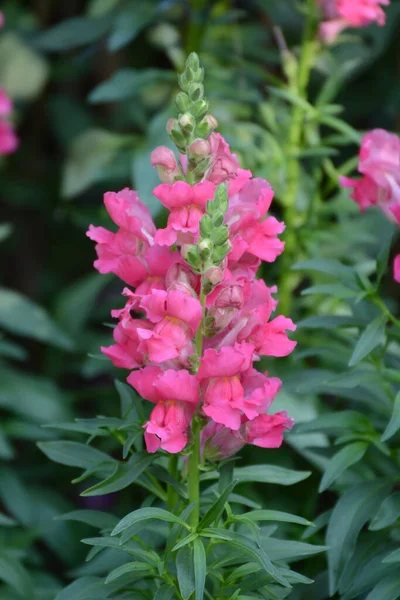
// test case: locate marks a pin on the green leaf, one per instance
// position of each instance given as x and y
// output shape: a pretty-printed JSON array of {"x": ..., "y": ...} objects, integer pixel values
[
  {"x": 73, "y": 33},
  {"x": 388, "y": 512},
  {"x": 292, "y": 98},
  {"x": 387, "y": 589},
  {"x": 128, "y": 83},
  {"x": 336, "y": 421},
  {"x": 331, "y": 322},
  {"x": 383, "y": 257},
  {"x": 124, "y": 474},
  {"x": 342, "y": 460},
  {"x": 95, "y": 518},
  {"x": 19, "y": 315},
  {"x": 14, "y": 574},
  {"x": 129, "y": 399},
  {"x": 329, "y": 267},
  {"x": 133, "y": 567},
  {"x": 200, "y": 568},
  {"x": 337, "y": 290},
  {"x": 394, "y": 423},
  {"x": 393, "y": 557},
  {"x": 276, "y": 515},
  {"x": 257, "y": 554},
  {"x": 7, "y": 521},
  {"x": 90, "y": 152},
  {"x": 342, "y": 127},
  {"x": 372, "y": 336},
  {"x": 216, "y": 510},
  {"x": 129, "y": 22},
  {"x": 165, "y": 592},
  {"x": 85, "y": 588},
  {"x": 350, "y": 514},
  {"x": 287, "y": 550},
  {"x": 145, "y": 514},
  {"x": 269, "y": 474},
  {"x": 185, "y": 572},
  {"x": 74, "y": 454}
]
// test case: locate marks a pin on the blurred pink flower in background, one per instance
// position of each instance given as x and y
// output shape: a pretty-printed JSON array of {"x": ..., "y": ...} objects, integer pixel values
[{"x": 340, "y": 14}]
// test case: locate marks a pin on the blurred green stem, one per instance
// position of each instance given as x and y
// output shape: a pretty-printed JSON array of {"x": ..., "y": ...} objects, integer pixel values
[
  {"x": 293, "y": 168},
  {"x": 194, "y": 458},
  {"x": 196, "y": 25},
  {"x": 172, "y": 498}
]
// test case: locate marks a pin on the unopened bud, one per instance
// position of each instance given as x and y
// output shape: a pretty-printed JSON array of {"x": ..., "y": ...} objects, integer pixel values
[
  {"x": 170, "y": 125},
  {"x": 230, "y": 296},
  {"x": 205, "y": 249},
  {"x": 199, "y": 108},
  {"x": 220, "y": 235},
  {"x": 211, "y": 121},
  {"x": 214, "y": 275},
  {"x": 220, "y": 252},
  {"x": 206, "y": 226},
  {"x": 196, "y": 91},
  {"x": 182, "y": 274},
  {"x": 187, "y": 122},
  {"x": 200, "y": 147},
  {"x": 182, "y": 102},
  {"x": 191, "y": 254},
  {"x": 192, "y": 61}
]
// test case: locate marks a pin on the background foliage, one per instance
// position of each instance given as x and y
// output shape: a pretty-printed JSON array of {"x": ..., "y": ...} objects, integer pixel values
[{"x": 93, "y": 84}]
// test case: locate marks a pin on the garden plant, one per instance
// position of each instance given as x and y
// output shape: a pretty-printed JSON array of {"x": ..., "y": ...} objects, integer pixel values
[{"x": 223, "y": 389}]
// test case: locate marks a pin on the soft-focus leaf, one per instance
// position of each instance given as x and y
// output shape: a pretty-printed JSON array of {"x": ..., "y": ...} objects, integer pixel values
[
  {"x": 95, "y": 518},
  {"x": 20, "y": 315},
  {"x": 387, "y": 589},
  {"x": 372, "y": 336},
  {"x": 342, "y": 460},
  {"x": 72, "y": 33},
  {"x": 75, "y": 454},
  {"x": 13, "y": 573},
  {"x": 388, "y": 512},
  {"x": 350, "y": 514},
  {"x": 129, "y": 22},
  {"x": 276, "y": 515},
  {"x": 128, "y": 83},
  {"x": 123, "y": 475},
  {"x": 394, "y": 423}
]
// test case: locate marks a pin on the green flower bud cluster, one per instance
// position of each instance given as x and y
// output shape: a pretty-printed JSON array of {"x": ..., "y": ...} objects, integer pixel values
[
  {"x": 213, "y": 244},
  {"x": 193, "y": 124}
]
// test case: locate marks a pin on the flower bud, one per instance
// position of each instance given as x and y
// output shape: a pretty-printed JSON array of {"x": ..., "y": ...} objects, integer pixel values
[
  {"x": 200, "y": 147},
  {"x": 220, "y": 252},
  {"x": 196, "y": 91},
  {"x": 170, "y": 125},
  {"x": 220, "y": 235},
  {"x": 199, "y": 108},
  {"x": 222, "y": 316},
  {"x": 206, "y": 226},
  {"x": 213, "y": 275},
  {"x": 230, "y": 296},
  {"x": 211, "y": 121},
  {"x": 164, "y": 159},
  {"x": 205, "y": 249},
  {"x": 182, "y": 102},
  {"x": 192, "y": 61},
  {"x": 191, "y": 254},
  {"x": 187, "y": 122},
  {"x": 181, "y": 274}
]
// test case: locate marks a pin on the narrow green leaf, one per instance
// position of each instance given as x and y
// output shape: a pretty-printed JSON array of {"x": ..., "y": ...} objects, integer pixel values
[
  {"x": 85, "y": 588},
  {"x": 276, "y": 515},
  {"x": 342, "y": 127},
  {"x": 15, "y": 575},
  {"x": 387, "y": 589},
  {"x": 20, "y": 315},
  {"x": 200, "y": 568},
  {"x": 331, "y": 322},
  {"x": 337, "y": 290},
  {"x": 372, "y": 336},
  {"x": 216, "y": 510},
  {"x": 269, "y": 474},
  {"x": 336, "y": 421},
  {"x": 72, "y": 33},
  {"x": 292, "y": 99},
  {"x": 74, "y": 454},
  {"x": 128, "y": 83},
  {"x": 350, "y": 514},
  {"x": 383, "y": 257},
  {"x": 342, "y": 460},
  {"x": 123, "y": 476},
  {"x": 388, "y": 512},
  {"x": 185, "y": 572},
  {"x": 129, "y": 22},
  {"x": 393, "y": 557},
  {"x": 6, "y": 521},
  {"x": 165, "y": 592},
  {"x": 328, "y": 267},
  {"x": 145, "y": 514},
  {"x": 95, "y": 518},
  {"x": 133, "y": 567},
  {"x": 189, "y": 538},
  {"x": 394, "y": 423}
]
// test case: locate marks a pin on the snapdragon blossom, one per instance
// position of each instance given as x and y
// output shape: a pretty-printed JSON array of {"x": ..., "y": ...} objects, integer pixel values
[
  {"x": 340, "y": 14},
  {"x": 191, "y": 336}
]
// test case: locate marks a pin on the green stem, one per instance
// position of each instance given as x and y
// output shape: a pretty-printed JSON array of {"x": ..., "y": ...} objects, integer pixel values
[
  {"x": 194, "y": 458},
  {"x": 293, "y": 168},
  {"x": 172, "y": 496},
  {"x": 379, "y": 302}
]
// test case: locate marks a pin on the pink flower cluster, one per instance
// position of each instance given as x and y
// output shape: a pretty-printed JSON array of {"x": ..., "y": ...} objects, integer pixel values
[
  {"x": 156, "y": 333},
  {"x": 8, "y": 139},
  {"x": 340, "y": 14},
  {"x": 379, "y": 163}
]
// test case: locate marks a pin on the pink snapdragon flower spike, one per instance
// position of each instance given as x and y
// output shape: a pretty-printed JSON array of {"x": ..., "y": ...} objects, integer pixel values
[
  {"x": 396, "y": 269},
  {"x": 176, "y": 394},
  {"x": 340, "y": 14},
  {"x": 8, "y": 140},
  {"x": 196, "y": 319},
  {"x": 379, "y": 163},
  {"x": 6, "y": 104}
]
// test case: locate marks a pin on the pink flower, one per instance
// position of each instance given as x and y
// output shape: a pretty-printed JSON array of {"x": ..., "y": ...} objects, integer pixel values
[
  {"x": 231, "y": 388},
  {"x": 247, "y": 220},
  {"x": 396, "y": 268},
  {"x": 1, "y": 19},
  {"x": 266, "y": 431},
  {"x": 6, "y": 104},
  {"x": 340, "y": 14},
  {"x": 123, "y": 253},
  {"x": 8, "y": 140},
  {"x": 126, "y": 353},
  {"x": 380, "y": 166},
  {"x": 219, "y": 442},
  {"x": 186, "y": 204},
  {"x": 271, "y": 339},
  {"x": 176, "y": 316},
  {"x": 167, "y": 167},
  {"x": 176, "y": 394}
]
